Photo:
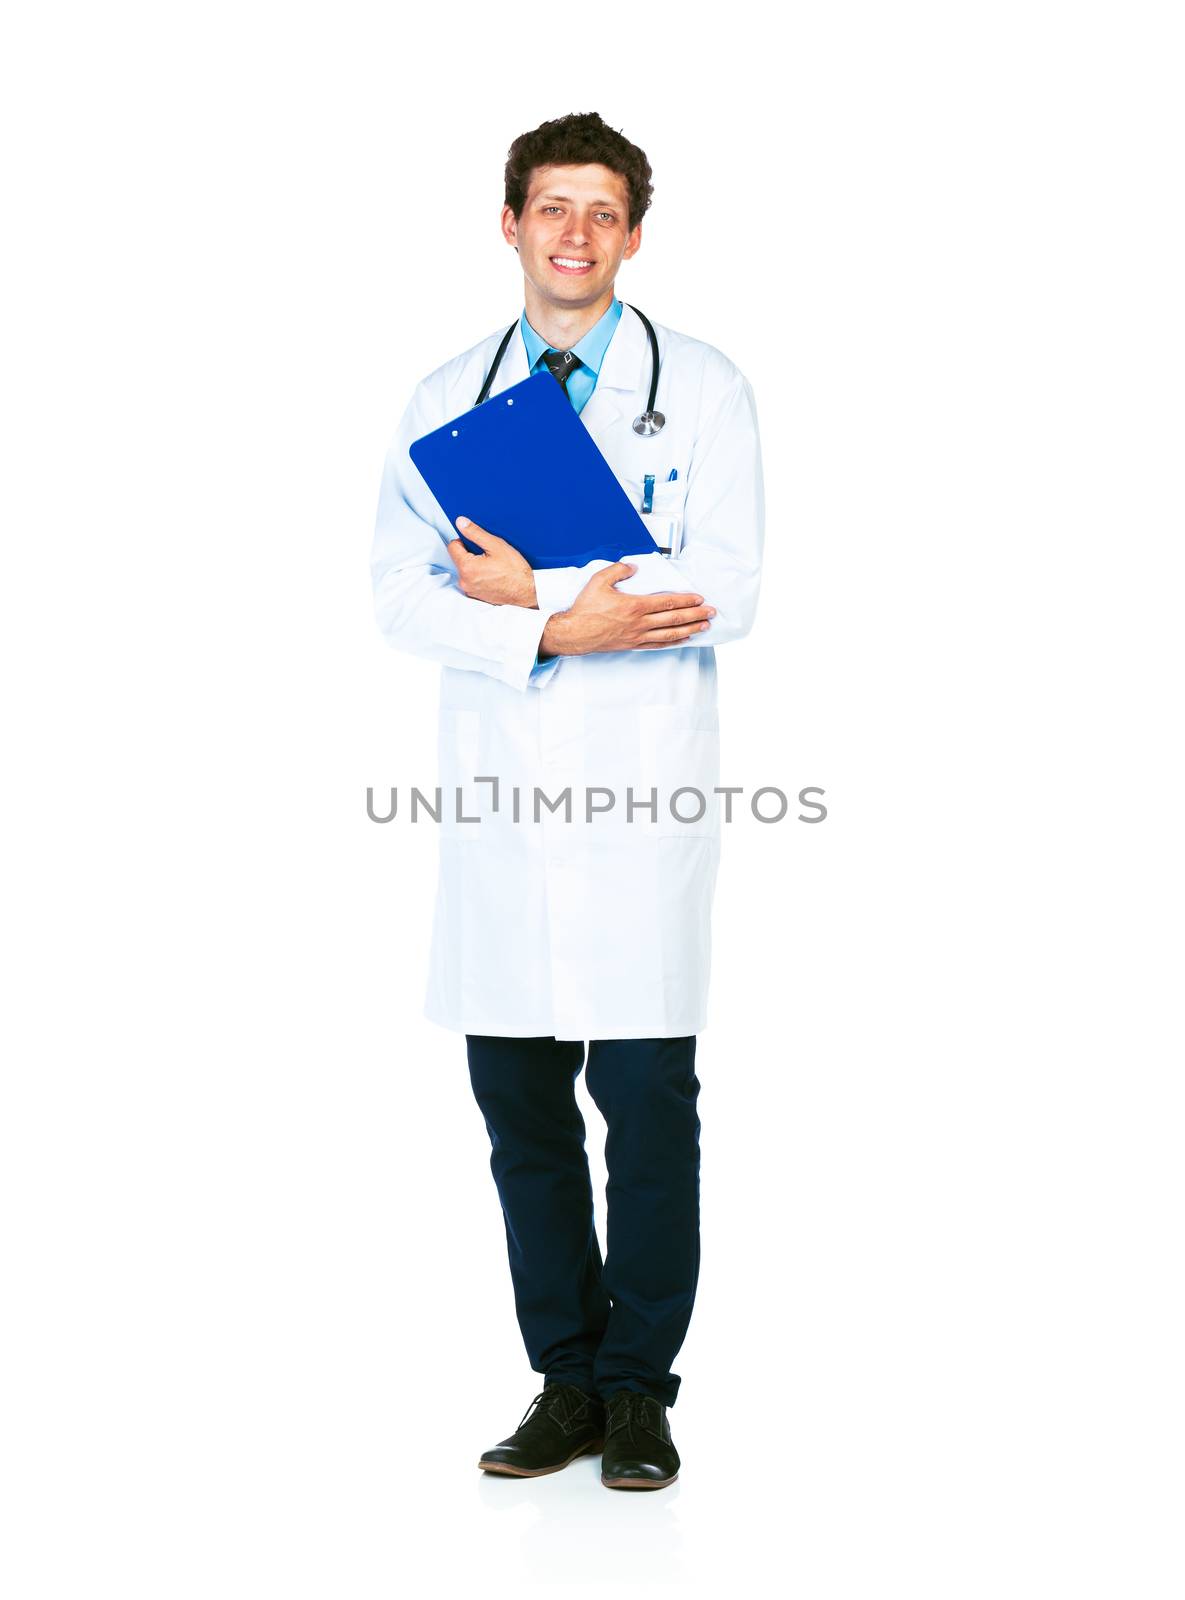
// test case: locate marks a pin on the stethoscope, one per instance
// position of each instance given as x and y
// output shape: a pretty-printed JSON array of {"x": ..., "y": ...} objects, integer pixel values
[{"x": 648, "y": 424}]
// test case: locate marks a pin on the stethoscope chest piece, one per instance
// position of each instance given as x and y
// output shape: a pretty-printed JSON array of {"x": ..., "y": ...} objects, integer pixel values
[{"x": 649, "y": 423}]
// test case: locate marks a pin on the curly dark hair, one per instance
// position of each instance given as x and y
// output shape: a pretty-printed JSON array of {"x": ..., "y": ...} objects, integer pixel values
[{"x": 577, "y": 140}]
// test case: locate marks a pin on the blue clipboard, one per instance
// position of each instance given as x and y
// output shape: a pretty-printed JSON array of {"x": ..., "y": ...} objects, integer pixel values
[{"x": 523, "y": 465}]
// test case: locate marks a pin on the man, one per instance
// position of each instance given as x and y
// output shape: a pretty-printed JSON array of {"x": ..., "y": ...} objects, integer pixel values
[{"x": 578, "y": 729}]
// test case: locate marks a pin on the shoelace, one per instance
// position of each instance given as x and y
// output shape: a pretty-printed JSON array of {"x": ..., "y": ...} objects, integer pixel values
[
  {"x": 628, "y": 1406},
  {"x": 559, "y": 1397}
]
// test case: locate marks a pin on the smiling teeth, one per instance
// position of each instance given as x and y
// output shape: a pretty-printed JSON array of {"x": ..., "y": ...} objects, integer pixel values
[{"x": 569, "y": 261}]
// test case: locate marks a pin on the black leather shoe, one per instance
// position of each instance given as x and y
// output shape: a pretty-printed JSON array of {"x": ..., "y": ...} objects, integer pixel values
[
  {"x": 639, "y": 1451},
  {"x": 561, "y": 1423}
]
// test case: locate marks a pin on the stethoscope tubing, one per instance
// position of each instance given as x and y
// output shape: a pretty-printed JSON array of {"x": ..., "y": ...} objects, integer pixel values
[{"x": 654, "y": 362}]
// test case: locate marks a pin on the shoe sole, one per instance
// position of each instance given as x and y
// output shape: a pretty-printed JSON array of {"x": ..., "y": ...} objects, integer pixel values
[
  {"x": 637, "y": 1483},
  {"x": 509, "y": 1471}
]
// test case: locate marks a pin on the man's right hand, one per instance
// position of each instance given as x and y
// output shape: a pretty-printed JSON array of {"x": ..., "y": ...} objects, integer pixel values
[{"x": 601, "y": 618}]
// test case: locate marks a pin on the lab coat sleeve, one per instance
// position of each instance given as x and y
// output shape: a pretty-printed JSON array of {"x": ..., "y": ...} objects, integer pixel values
[
  {"x": 723, "y": 529},
  {"x": 557, "y": 587},
  {"x": 418, "y": 601}
]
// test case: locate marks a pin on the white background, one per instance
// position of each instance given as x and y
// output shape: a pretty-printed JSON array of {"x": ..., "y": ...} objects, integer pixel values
[{"x": 259, "y": 1321}]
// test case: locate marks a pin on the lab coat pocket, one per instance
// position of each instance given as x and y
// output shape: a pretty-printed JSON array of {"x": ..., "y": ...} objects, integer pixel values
[
  {"x": 460, "y": 764},
  {"x": 680, "y": 752},
  {"x": 667, "y": 533},
  {"x": 664, "y": 520}
]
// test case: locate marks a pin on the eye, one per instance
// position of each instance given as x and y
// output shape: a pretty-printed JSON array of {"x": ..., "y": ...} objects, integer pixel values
[
  {"x": 607, "y": 214},
  {"x": 551, "y": 208}
]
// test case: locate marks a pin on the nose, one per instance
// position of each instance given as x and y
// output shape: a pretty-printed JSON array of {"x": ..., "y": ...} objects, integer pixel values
[{"x": 575, "y": 234}]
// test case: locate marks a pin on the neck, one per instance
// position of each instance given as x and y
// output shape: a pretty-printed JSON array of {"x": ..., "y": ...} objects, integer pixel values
[{"x": 563, "y": 326}]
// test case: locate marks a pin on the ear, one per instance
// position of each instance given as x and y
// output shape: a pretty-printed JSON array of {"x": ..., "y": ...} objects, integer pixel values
[
  {"x": 509, "y": 227},
  {"x": 633, "y": 244}
]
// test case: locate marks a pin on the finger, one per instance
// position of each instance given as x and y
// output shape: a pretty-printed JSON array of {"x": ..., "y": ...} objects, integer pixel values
[
  {"x": 676, "y": 619},
  {"x": 667, "y": 635},
  {"x": 478, "y": 535},
  {"x": 456, "y": 549},
  {"x": 668, "y": 602}
]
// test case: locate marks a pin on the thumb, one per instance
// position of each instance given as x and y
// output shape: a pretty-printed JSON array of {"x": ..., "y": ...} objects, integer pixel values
[
  {"x": 476, "y": 534},
  {"x": 614, "y": 572}
]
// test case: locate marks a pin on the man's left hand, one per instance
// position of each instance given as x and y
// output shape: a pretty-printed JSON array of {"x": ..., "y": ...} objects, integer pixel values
[{"x": 500, "y": 577}]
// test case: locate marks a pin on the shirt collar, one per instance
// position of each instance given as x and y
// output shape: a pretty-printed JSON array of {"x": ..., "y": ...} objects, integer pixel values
[{"x": 591, "y": 349}]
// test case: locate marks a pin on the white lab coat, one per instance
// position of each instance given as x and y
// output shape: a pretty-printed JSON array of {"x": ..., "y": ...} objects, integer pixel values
[{"x": 579, "y": 929}]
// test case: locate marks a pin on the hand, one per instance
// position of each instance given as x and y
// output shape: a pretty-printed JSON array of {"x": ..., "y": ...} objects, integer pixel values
[
  {"x": 601, "y": 618},
  {"x": 500, "y": 577}
]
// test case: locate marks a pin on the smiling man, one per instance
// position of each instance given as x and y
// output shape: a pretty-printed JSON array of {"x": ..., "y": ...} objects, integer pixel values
[{"x": 564, "y": 921}]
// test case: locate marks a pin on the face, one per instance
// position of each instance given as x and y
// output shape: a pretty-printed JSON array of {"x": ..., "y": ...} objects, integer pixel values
[{"x": 573, "y": 233}]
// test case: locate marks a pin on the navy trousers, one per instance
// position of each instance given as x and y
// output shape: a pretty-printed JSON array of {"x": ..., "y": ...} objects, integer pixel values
[{"x": 617, "y": 1323}]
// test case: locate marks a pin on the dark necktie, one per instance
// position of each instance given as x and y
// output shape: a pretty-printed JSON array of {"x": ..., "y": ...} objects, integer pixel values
[{"x": 561, "y": 364}]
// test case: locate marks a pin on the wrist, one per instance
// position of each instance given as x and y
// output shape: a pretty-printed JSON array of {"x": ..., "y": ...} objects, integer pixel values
[
  {"x": 518, "y": 590},
  {"x": 556, "y": 639}
]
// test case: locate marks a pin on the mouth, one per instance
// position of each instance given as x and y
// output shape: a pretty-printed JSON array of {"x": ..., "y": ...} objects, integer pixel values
[{"x": 571, "y": 266}]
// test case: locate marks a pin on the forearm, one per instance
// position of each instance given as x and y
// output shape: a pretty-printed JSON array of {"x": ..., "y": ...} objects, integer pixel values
[
  {"x": 418, "y": 603},
  {"x": 421, "y": 611}
]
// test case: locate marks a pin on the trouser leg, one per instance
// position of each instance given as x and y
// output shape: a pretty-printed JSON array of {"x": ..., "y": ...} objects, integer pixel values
[
  {"x": 647, "y": 1091},
  {"x": 526, "y": 1091}
]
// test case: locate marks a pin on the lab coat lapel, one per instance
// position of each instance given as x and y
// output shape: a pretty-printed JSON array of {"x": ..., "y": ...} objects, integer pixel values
[
  {"x": 602, "y": 410},
  {"x": 624, "y": 371},
  {"x": 513, "y": 366}
]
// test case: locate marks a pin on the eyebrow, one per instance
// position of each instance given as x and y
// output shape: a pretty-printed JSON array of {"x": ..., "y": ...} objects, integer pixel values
[{"x": 612, "y": 204}]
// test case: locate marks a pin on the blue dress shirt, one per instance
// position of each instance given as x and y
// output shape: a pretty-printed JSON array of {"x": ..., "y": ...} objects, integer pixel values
[{"x": 591, "y": 351}]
